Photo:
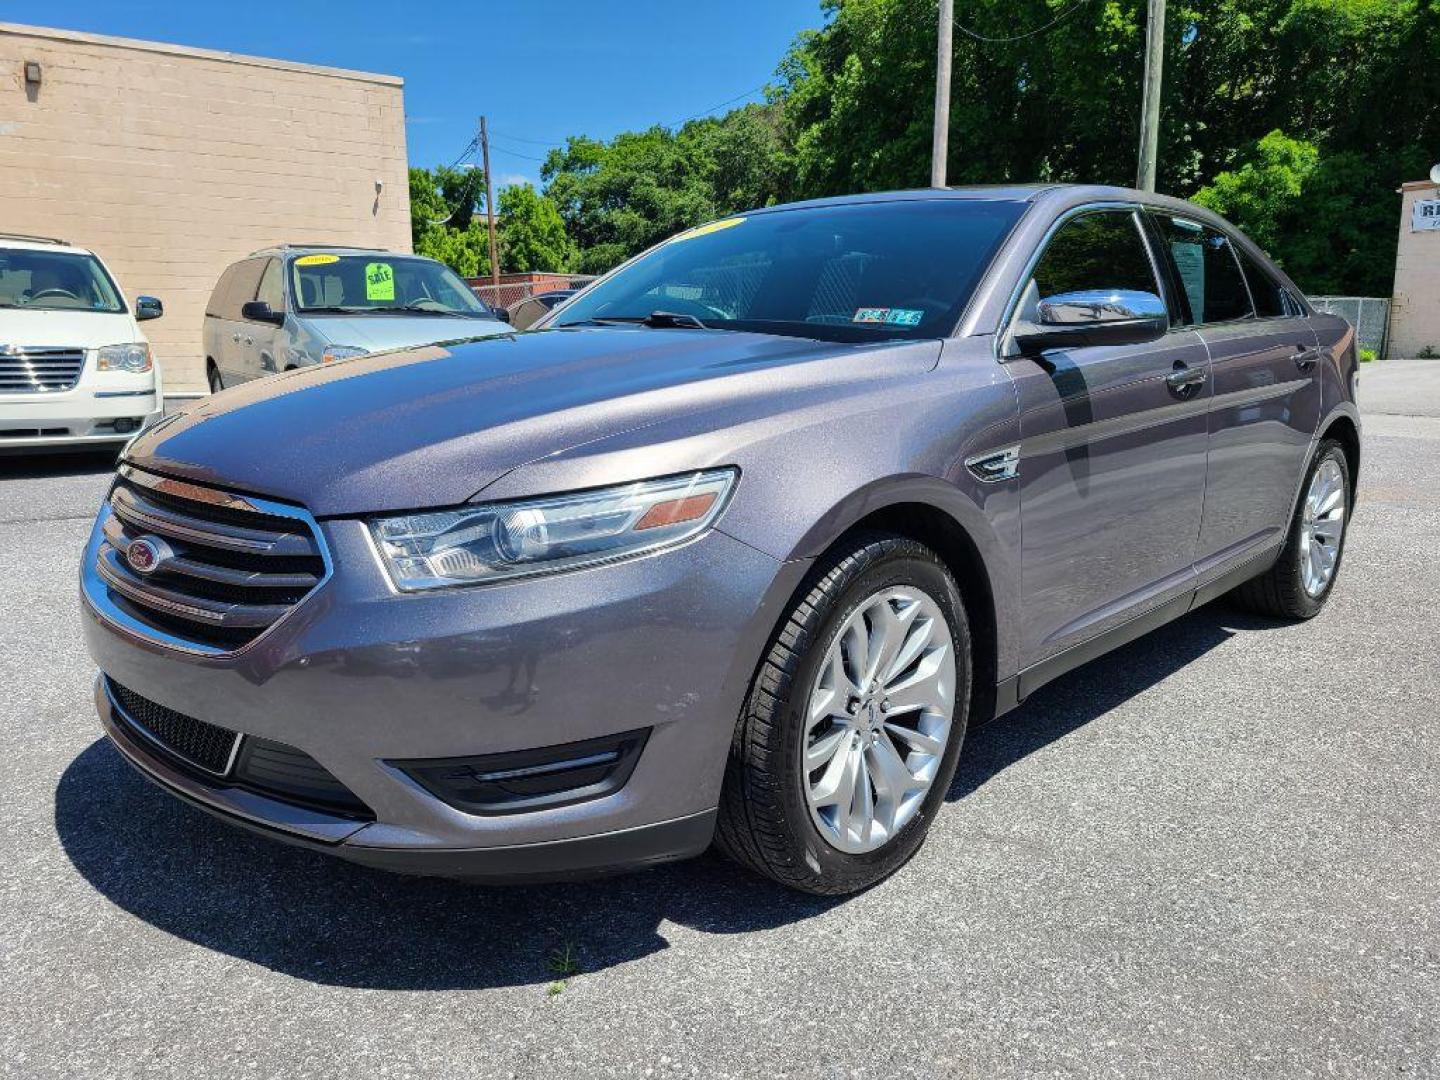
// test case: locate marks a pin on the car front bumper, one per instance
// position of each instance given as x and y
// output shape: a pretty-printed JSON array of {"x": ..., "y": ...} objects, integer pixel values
[
  {"x": 75, "y": 419},
  {"x": 360, "y": 677}
]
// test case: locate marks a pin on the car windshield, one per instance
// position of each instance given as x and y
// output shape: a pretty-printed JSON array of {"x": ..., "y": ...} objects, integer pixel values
[
  {"x": 379, "y": 283},
  {"x": 853, "y": 272},
  {"x": 56, "y": 281}
]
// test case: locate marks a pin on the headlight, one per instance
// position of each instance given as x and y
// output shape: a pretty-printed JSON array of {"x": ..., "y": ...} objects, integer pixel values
[
  {"x": 340, "y": 352},
  {"x": 133, "y": 358},
  {"x": 490, "y": 542}
]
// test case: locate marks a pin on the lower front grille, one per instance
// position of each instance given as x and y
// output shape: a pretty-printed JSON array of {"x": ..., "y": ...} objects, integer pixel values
[
  {"x": 263, "y": 766},
  {"x": 194, "y": 742}
]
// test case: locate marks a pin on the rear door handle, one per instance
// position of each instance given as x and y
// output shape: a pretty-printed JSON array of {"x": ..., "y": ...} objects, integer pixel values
[
  {"x": 1183, "y": 379},
  {"x": 1305, "y": 359},
  {"x": 235, "y": 338}
]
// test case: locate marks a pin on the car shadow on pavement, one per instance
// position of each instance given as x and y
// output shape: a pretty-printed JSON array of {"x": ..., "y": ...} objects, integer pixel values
[
  {"x": 1076, "y": 698},
  {"x": 318, "y": 918}
]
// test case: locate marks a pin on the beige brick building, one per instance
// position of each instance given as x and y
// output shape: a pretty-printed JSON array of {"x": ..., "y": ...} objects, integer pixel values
[
  {"x": 1415, "y": 315},
  {"x": 172, "y": 162}
]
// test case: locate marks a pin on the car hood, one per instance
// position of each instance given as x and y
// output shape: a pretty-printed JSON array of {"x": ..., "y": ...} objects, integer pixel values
[
  {"x": 377, "y": 333},
  {"x": 434, "y": 425},
  {"x": 79, "y": 328}
]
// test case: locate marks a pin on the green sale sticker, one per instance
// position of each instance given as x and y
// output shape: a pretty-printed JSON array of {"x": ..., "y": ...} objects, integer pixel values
[{"x": 379, "y": 281}]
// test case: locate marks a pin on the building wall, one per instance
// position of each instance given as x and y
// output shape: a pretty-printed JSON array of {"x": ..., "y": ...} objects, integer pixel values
[
  {"x": 1415, "y": 316},
  {"x": 172, "y": 162}
]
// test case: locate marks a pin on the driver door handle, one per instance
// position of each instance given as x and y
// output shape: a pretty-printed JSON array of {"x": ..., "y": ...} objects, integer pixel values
[
  {"x": 1305, "y": 359},
  {"x": 1183, "y": 378}
]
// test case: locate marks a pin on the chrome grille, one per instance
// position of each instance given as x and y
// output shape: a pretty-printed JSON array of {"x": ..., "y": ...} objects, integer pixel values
[
  {"x": 39, "y": 371},
  {"x": 226, "y": 567}
]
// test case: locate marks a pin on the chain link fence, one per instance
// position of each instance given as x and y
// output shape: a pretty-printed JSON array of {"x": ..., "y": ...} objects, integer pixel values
[
  {"x": 1369, "y": 315},
  {"x": 520, "y": 286}
]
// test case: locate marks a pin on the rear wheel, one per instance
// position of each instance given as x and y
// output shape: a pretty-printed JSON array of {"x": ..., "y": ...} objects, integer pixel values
[
  {"x": 1299, "y": 583},
  {"x": 854, "y": 723},
  {"x": 212, "y": 376}
]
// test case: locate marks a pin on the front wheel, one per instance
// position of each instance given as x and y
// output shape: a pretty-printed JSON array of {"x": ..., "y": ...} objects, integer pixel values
[
  {"x": 854, "y": 722},
  {"x": 1299, "y": 583}
]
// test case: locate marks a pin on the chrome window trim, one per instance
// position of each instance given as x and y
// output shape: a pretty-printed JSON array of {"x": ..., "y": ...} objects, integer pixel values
[
  {"x": 96, "y": 592},
  {"x": 1007, "y": 320}
]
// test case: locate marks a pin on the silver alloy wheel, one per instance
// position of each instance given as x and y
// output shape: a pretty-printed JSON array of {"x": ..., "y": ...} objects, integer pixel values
[
  {"x": 878, "y": 719},
  {"x": 1322, "y": 527}
]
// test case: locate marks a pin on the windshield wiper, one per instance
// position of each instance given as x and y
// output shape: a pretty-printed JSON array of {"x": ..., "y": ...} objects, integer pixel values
[
  {"x": 658, "y": 320},
  {"x": 416, "y": 309},
  {"x": 336, "y": 310}
]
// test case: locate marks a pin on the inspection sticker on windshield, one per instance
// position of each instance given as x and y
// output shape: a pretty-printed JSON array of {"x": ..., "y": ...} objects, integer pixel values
[
  {"x": 316, "y": 260},
  {"x": 893, "y": 316},
  {"x": 379, "y": 281}
]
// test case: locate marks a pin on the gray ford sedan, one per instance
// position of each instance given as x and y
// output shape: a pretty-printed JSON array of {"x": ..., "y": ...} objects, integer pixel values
[{"x": 735, "y": 549}]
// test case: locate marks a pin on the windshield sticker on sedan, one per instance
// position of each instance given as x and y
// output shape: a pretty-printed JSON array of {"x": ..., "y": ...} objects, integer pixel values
[
  {"x": 892, "y": 316},
  {"x": 379, "y": 281},
  {"x": 316, "y": 260},
  {"x": 706, "y": 230}
]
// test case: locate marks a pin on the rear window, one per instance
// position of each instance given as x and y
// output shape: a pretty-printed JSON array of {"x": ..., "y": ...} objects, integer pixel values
[
  {"x": 1208, "y": 271},
  {"x": 856, "y": 272},
  {"x": 56, "y": 281}
]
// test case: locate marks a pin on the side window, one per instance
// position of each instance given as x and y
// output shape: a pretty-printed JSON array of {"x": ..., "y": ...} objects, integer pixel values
[
  {"x": 1208, "y": 271},
  {"x": 243, "y": 279},
  {"x": 1270, "y": 299},
  {"x": 1102, "y": 250},
  {"x": 272, "y": 286},
  {"x": 216, "y": 306}
]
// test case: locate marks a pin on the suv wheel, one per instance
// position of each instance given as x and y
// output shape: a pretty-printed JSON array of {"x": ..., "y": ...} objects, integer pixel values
[
  {"x": 1299, "y": 583},
  {"x": 212, "y": 376},
  {"x": 854, "y": 722}
]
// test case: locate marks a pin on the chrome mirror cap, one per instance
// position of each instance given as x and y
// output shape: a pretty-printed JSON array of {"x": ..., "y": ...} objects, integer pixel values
[{"x": 1090, "y": 306}]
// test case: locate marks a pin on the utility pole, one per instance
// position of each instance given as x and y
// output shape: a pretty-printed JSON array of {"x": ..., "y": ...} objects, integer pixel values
[
  {"x": 940, "y": 143},
  {"x": 1150, "y": 106},
  {"x": 489, "y": 204}
]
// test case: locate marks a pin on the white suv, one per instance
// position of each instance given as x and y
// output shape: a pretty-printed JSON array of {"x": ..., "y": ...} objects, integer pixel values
[{"x": 75, "y": 370}]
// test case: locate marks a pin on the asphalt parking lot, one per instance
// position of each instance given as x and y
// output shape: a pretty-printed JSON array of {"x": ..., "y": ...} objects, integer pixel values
[{"x": 1215, "y": 853}]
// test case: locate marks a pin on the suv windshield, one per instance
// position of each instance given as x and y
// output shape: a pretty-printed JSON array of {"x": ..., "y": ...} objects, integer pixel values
[
  {"x": 56, "y": 281},
  {"x": 856, "y": 272},
  {"x": 380, "y": 282}
]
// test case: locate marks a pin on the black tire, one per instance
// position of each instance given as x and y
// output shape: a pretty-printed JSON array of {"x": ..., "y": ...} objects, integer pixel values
[
  {"x": 764, "y": 820},
  {"x": 212, "y": 376},
  {"x": 1280, "y": 591}
]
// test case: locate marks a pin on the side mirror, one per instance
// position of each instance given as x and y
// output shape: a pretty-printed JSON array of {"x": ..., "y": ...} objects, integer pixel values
[
  {"x": 148, "y": 307},
  {"x": 1093, "y": 317},
  {"x": 260, "y": 311},
  {"x": 501, "y": 314}
]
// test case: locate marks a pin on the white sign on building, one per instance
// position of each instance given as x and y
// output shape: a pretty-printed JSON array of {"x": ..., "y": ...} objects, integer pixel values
[{"x": 1425, "y": 216}]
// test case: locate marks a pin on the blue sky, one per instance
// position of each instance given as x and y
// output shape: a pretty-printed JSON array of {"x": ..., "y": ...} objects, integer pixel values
[{"x": 539, "y": 70}]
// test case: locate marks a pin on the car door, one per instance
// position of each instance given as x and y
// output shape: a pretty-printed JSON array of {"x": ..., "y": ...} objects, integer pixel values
[
  {"x": 238, "y": 337},
  {"x": 264, "y": 341},
  {"x": 1112, "y": 457},
  {"x": 1266, "y": 404}
]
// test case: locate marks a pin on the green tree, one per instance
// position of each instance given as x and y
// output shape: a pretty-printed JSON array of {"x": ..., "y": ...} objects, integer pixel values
[
  {"x": 443, "y": 224},
  {"x": 532, "y": 233}
]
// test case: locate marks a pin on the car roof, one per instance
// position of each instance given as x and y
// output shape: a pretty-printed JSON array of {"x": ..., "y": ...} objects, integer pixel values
[
  {"x": 25, "y": 242},
  {"x": 330, "y": 249},
  {"x": 1026, "y": 193}
]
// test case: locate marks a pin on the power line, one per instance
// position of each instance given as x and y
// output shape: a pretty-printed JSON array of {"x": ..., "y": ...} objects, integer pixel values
[
  {"x": 516, "y": 154},
  {"x": 1029, "y": 33},
  {"x": 519, "y": 139},
  {"x": 714, "y": 108}
]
